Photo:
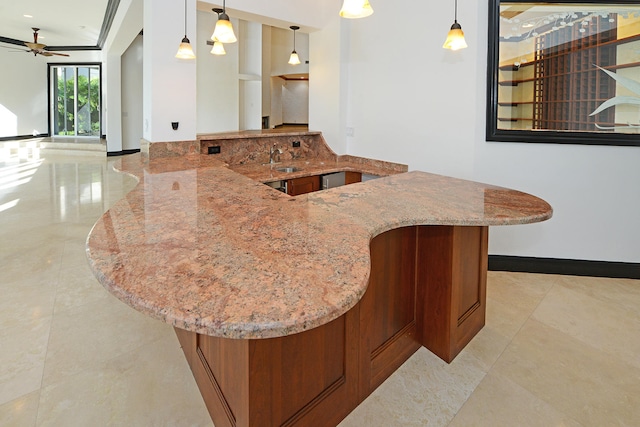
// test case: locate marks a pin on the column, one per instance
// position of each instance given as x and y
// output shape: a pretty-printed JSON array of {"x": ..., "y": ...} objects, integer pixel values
[{"x": 169, "y": 84}]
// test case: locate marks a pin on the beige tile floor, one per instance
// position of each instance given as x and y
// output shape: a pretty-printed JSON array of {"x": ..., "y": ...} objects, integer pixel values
[{"x": 556, "y": 350}]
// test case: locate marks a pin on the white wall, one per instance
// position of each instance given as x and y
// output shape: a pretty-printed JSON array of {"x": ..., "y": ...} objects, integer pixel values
[
  {"x": 169, "y": 83},
  {"x": 250, "y": 105},
  {"x": 295, "y": 102},
  {"x": 277, "y": 96},
  {"x": 250, "y": 67},
  {"x": 281, "y": 13},
  {"x": 126, "y": 25},
  {"x": 328, "y": 81},
  {"x": 112, "y": 100},
  {"x": 131, "y": 76},
  {"x": 277, "y": 84},
  {"x": 217, "y": 81},
  {"x": 413, "y": 102},
  {"x": 23, "y": 94},
  {"x": 281, "y": 47},
  {"x": 23, "y": 90},
  {"x": 266, "y": 70},
  {"x": 236, "y": 90}
]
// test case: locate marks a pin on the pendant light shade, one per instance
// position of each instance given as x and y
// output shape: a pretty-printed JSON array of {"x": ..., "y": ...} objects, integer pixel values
[
  {"x": 455, "y": 38},
  {"x": 353, "y": 9},
  {"x": 185, "y": 51},
  {"x": 294, "y": 59},
  {"x": 218, "y": 49},
  {"x": 223, "y": 32}
]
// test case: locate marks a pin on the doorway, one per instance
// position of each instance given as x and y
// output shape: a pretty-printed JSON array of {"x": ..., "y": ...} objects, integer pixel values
[{"x": 75, "y": 99}]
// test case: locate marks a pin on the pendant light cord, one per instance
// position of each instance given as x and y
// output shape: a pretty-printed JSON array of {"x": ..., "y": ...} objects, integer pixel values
[
  {"x": 455, "y": 12},
  {"x": 294, "y": 28},
  {"x": 185, "y": 18}
]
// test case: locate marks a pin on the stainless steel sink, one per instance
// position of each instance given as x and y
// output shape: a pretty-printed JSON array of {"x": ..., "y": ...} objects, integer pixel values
[{"x": 288, "y": 169}]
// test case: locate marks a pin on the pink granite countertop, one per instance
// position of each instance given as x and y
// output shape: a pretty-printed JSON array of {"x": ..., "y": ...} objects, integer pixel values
[
  {"x": 208, "y": 249},
  {"x": 269, "y": 172}
]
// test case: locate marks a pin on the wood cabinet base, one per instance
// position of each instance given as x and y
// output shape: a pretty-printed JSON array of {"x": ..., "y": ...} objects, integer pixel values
[{"x": 427, "y": 288}]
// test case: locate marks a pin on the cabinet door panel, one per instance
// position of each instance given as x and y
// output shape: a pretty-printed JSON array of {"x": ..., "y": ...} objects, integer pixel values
[
  {"x": 352, "y": 177},
  {"x": 387, "y": 309},
  {"x": 452, "y": 274},
  {"x": 306, "y": 184},
  {"x": 467, "y": 267}
]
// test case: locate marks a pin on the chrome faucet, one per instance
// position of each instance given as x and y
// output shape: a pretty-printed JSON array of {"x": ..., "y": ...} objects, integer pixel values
[{"x": 274, "y": 154}]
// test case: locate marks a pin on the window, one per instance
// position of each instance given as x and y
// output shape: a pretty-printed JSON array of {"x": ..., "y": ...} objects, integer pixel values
[
  {"x": 564, "y": 72},
  {"x": 75, "y": 100}
]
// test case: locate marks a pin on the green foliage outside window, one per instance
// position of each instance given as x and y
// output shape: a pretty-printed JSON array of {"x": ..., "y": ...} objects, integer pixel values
[{"x": 88, "y": 106}]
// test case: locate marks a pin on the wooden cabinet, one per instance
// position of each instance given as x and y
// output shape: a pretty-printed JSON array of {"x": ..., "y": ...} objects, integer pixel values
[
  {"x": 452, "y": 281},
  {"x": 303, "y": 185},
  {"x": 352, "y": 177},
  {"x": 305, "y": 379},
  {"x": 388, "y": 316},
  {"x": 309, "y": 184},
  {"x": 427, "y": 287}
]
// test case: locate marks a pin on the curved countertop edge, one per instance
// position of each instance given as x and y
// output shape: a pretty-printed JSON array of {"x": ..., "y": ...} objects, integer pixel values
[
  {"x": 392, "y": 203},
  {"x": 244, "y": 330}
]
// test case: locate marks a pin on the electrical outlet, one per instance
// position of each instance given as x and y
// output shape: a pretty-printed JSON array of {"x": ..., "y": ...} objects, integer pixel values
[
  {"x": 215, "y": 149},
  {"x": 296, "y": 144}
]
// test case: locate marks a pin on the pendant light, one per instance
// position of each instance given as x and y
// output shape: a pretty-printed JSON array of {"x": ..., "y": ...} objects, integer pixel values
[
  {"x": 455, "y": 38},
  {"x": 355, "y": 9},
  {"x": 223, "y": 32},
  {"x": 185, "y": 51},
  {"x": 294, "y": 59},
  {"x": 218, "y": 47}
]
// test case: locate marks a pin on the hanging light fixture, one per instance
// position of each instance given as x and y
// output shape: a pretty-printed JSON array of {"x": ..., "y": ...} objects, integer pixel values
[
  {"x": 185, "y": 51},
  {"x": 355, "y": 9},
  {"x": 218, "y": 47},
  {"x": 294, "y": 59},
  {"x": 223, "y": 32},
  {"x": 455, "y": 38}
]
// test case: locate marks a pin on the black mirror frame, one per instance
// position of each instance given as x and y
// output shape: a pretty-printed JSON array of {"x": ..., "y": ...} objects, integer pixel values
[{"x": 546, "y": 136}]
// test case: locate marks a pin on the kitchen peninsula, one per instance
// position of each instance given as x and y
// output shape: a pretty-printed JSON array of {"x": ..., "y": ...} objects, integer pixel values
[{"x": 292, "y": 309}]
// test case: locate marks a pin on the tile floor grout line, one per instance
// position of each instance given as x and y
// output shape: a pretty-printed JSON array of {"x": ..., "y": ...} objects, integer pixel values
[
  {"x": 53, "y": 307},
  {"x": 491, "y": 366}
]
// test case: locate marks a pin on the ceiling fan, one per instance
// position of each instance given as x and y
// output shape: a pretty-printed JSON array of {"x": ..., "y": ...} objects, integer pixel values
[{"x": 39, "y": 48}]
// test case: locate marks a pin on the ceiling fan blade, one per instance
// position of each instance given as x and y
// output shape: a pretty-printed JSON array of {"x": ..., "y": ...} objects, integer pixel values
[
  {"x": 35, "y": 46},
  {"x": 17, "y": 49}
]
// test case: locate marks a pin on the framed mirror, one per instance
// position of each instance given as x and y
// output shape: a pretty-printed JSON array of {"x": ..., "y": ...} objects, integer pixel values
[{"x": 564, "y": 72}]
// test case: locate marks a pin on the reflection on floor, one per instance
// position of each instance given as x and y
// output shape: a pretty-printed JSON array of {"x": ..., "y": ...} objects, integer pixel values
[
  {"x": 556, "y": 350},
  {"x": 38, "y": 147}
]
